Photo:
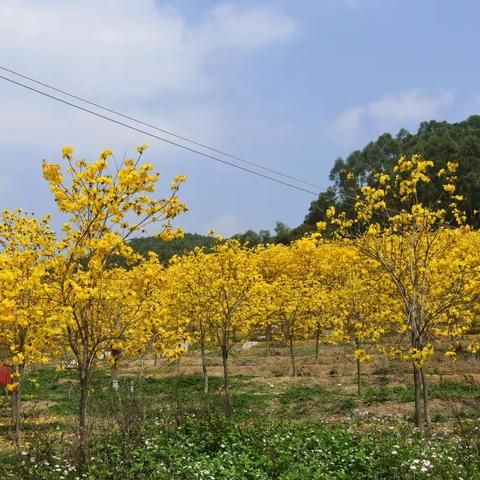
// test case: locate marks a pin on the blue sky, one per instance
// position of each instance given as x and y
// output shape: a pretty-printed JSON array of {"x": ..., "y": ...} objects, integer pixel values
[{"x": 290, "y": 85}]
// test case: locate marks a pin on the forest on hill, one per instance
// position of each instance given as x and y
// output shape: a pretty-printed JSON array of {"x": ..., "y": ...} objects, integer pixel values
[
  {"x": 441, "y": 142},
  {"x": 166, "y": 249}
]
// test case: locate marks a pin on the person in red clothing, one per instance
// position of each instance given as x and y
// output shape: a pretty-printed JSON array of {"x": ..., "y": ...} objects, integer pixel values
[{"x": 5, "y": 375}]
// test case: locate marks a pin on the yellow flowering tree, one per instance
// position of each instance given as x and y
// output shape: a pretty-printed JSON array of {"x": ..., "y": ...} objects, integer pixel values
[
  {"x": 160, "y": 328},
  {"x": 289, "y": 299},
  {"x": 318, "y": 258},
  {"x": 27, "y": 327},
  {"x": 231, "y": 279},
  {"x": 364, "y": 309},
  {"x": 409, "y": 236},
  {"x": 188, "y": 294},
  {"x": 105, "y": 206}
]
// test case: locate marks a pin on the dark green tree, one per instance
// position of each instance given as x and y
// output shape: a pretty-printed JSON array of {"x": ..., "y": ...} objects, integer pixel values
[{"x": 438, "y": 141}]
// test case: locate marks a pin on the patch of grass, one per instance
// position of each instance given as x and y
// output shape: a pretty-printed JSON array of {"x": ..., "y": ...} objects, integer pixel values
[
  {"x": 301, "y": 400},
  {"x": 250, "y": 404},
  {"x": 344, "y": 405},
  {"x": 61, "y": 388},
  {"x": 29, "y": 426},
  {"x": 172, "y": 387},
  {"x": 376, "y": 394},
  {"x": 385, "y": 393},
  {"x": 469, "y": 414},
  {"x": 454, "y": 390},
  {"x": 303, "y": 393},
  {"x": 405, "y": 393},
  {"x": 179, "y": 392}
]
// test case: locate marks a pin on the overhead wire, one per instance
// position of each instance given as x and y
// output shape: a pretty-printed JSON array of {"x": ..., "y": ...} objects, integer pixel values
[
  {"x": 163, "y": 139},
  {"x": 168, "y": 132}
]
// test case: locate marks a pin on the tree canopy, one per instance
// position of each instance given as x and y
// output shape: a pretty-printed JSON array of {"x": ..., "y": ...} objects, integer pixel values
[{"x": 442, "y": 141}]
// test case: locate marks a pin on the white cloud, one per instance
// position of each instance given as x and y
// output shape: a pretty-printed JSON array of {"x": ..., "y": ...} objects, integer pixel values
[
  {"x": 151, "y": 61},
  {"x": 409, "y": 106},
  {"x": 346, "y": 127},
  {"x": 356, "y": 6},
  {"x": 136, "y": 56},
  {"x": 389, "y": 113},
  {"x": 225, "y": 225},
  {"x": 44, "y": 126},
  {"x": 129, "y": 50},
  {"x": 230, "y": 27}
]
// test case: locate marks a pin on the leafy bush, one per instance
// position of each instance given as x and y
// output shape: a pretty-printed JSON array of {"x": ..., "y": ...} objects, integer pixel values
[{"x": 220, "y": 450}]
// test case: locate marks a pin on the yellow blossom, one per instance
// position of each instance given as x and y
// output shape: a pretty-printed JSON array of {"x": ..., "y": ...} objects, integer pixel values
[
  {"x": 67, "y": 152},
  {"x": 142, "y": 148}
]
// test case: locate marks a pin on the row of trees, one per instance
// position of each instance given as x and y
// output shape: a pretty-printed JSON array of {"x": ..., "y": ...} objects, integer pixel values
[
  {"x": 372, "y": 296},
  {"x": 390, "y": 279},
  {"x": 401, "y": 266}
]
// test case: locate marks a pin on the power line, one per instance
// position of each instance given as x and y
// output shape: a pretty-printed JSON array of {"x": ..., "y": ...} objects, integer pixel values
[
  {"x": 193, "y": 150},
  {"x": 180, "y": 137}
]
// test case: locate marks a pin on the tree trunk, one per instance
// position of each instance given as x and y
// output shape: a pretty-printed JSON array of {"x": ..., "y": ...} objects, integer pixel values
[
  {"x": 16, "y": 414},
  {"x": 155, "y": 359},
  {"x": 226, "y": 385},
  {"x": 267, "y": 342},
  {"x": 359, "y": 377},
  {"x": 83, "y": 428},
  {"x": 292, "y": 356},
  {"x": 17, "y": 404},
  {"x": 426, "y": 400},
  {"x": 204, "y": 368},
  {"x": 419, "y": 407},
  {"x": 317, "y": 344},
  {"x": 359, "y": 369},
  {"x": 416, "y": 325}
]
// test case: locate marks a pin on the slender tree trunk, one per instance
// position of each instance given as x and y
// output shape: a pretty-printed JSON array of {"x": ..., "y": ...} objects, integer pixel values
[
  {"x": 267, "y": 341},
  {"x": 359, "y": 377},
  {"x": 419, "y": 407},
  {"x": 359, "y": 369},
  {"x": 423, "y": 375},
  {"x": 416, "y": 342},
  {"x": 317, "y": 344},
  {"x": 226, "y": 383},
  {"x": 422, "y": 404},
  {"x": 292, "y": 356},
  {"x": 83, "y": 428},
  {"x": 204, "y": 368},
  {"x": 16, "y": 414},
  {"x": 17, "y": 404},
  {"x": 155, "y": 359},
  {"x": 206, "y": 401},
  {"x": 426, "y": 400}
]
